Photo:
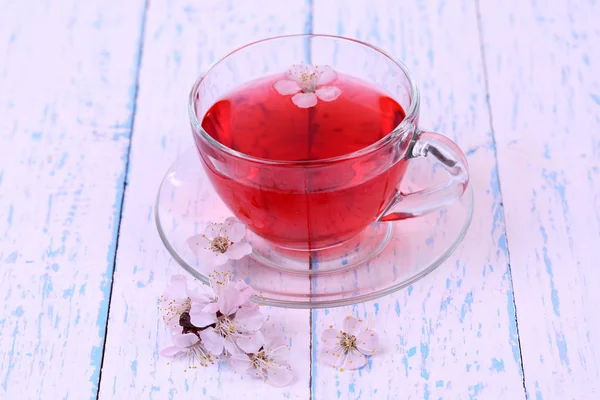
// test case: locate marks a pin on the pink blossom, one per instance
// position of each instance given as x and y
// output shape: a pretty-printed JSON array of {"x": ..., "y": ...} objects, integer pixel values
[
  {"x": 228, "y": 316},
  {"x": 177, "y": 299},
  {"x": 188, "y": 344},
  {"x": 347, "y": 348},
  {"x": 307, "y": 84},
  {"x": 261, "y": 357},
  {"x": 220, "y": 242}
]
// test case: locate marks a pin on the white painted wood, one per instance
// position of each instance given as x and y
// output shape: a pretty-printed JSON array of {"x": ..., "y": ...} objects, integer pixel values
[
  {"x": 181, "y": 40},
  {"x": 543, "y": 61},
  {"x": 67, "y": 87},
  {"x": 453, "y": 334}
]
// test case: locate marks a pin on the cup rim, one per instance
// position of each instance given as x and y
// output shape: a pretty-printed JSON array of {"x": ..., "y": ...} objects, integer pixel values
[{"x": 404, "y": 126}]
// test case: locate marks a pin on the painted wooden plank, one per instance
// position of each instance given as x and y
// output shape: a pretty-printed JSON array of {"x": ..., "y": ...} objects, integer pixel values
[
  {"x": 543, "y": 61},
  {"x": 181, "y": 40},
  {"x": 67, "y": 88},
  {"x": 452, "y": 335}
]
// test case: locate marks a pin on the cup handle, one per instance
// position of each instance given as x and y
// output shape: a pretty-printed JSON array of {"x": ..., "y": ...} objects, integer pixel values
[{"x": 445, "y": 151}]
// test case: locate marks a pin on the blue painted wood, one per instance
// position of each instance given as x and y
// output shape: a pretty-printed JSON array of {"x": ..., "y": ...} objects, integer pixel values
[
  {"x": 182, "y": 39},
  {"x": 454, "y": 333},
  {"x": 67, "y": 103},
  {"x": 542, "y": 62},
  {"x": 67, "y": 94}
]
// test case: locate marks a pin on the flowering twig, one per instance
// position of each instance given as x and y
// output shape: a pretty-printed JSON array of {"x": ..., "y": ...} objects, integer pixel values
[{"x": 221, "y": 322}]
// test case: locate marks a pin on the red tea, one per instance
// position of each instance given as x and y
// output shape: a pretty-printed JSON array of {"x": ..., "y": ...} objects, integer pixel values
[{"x": 296, "y": 205}]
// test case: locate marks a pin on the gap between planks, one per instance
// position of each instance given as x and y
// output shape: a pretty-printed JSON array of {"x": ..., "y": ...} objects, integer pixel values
[
  {"x": 140, "y": 54},
  {"x": 494, "y": 150}
]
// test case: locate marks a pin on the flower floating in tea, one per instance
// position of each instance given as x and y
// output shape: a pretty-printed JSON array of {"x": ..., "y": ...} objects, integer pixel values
[
  {"x": 347, "y": 348},
  {"x": 220, "y": 242},
  {"x": 262, "y": 359},
  {"x": 307, "y": 84}
]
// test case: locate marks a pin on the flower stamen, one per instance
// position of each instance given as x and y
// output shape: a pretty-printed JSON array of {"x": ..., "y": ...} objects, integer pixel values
[
  {"x": 199, "y": 354},
  {"x": 348, "y": 342},
  {"x": 226, "y": 328},
  {"x": 172, "y": 310},
  {"x": 219, "y": 244}
]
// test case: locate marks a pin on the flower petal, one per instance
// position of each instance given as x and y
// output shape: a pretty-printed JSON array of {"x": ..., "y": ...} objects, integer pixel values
[
  {"x": 279, "y": 356},
  {"x": 203, "y": 297},
  {"x": 330, "y": 338},
  {"x": 244, "y": 288},
  {"x": 211, "y": 307},
  {"x": 286, "y": 86},
  {"x": 184, "y": 340},
  {"x": 353, "y": 360},
  {"x": 279, "y": 375},
  {"x": 240, "y": 363},
  {"x": 177, "y": 289},
  {"x": 352, "y": 325},
  {"x": 210, "y": 258},
  {"x": 219, "y": 259},
  {"x": 211, "y": 231},
  {"x": 367, "y": 342},
  {"x": 234, "y": 229},
  {"x": 250, "y": 304},
  {"x": 238, "y": 250},
  {"x": 204, "y": 254},
  {"x": 273, "y": 341},
  {"x": 200, "y": 318},
  {"x": 196, "y": 243},
  {"x": 332, "y": 356},
  {"x": 327, "y": 74},
  {"x": 230, "y": 300},
  {"x": 248, "y": 319},
  {"x": 300, "y": 72},
  {"x": 213, "y": 342},
  {"x": 251, "y": 344},
  {"x": 305, "y": 100},
  {"x": 328, "y": 93},
  {"x": 231, "y": 347},
  {"x": 171, "y": 351}
]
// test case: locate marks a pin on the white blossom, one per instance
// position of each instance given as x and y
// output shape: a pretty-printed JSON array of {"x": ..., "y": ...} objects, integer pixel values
[
  {"x": 188, "y": 344},
  {"x": 226, "y": 317},
  {"x": 347, "y": 348},
  {"x": 220, "y": 242},
  {"x": 261, "y": 357},
  {"x": 308, "y": 85},
  {"x": 176, "y": 300}
]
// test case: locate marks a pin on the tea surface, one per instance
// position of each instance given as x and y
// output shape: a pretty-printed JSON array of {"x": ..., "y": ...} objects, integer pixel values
[
  {"x": 258, "y": 121},
  {"x": 304, "y": 207}
]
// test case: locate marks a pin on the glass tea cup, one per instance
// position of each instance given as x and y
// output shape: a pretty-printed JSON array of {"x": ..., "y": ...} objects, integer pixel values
[{"x": 315, "y": 203}]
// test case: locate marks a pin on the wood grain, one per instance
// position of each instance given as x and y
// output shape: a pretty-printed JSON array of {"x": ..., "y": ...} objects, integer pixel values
[
  {"x": 68, "y": 88},
  {"x": 543, "y": 63},
  {"x": 67, "y": 92},
  {"x": 452, "y": 335},
  {"x": 182, "y": 39}
]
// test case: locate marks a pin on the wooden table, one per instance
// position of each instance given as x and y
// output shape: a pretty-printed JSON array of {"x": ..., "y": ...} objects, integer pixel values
[{"x": 93, "y": 111}]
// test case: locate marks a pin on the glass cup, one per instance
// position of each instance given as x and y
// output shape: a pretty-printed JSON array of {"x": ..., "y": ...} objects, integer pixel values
[{"x": 318, "y": 204}]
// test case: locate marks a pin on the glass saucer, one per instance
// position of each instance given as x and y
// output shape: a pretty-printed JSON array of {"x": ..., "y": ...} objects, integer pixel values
[{"x": 386, "y": 257}]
